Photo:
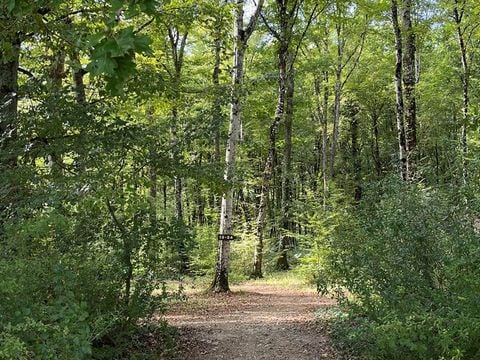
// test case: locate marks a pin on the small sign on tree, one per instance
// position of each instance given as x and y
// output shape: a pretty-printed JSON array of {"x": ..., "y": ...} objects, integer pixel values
[{"x": 226, "y": 237}]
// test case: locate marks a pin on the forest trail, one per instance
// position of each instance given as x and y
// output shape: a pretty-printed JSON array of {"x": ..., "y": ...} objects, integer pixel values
[{"x": 258, "y": 320}]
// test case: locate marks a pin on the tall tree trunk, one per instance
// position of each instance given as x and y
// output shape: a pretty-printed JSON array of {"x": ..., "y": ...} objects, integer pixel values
[
  {"x": 287, "y": 12},
  {"x": 409, "y": 81},
  {"x": 220, "y": 283},
  {"x": 241, "y": 36},
  {"x": 269, "y": 162},
  {"x": 217, "y": 117},
  {"x": 56, "y": 76},
  {"x": 402, "y": 145},
  {"x": 177, "y": 43},
  {"x": 152, "y": 174},
  {"x": 376, "y": 147},
  {"x": 356, "y": 160},
  {"x": 8, "y": 122},
  {"x": 458, "y": 16},
  {"x": 216, "y": 109},
  {"x": 338, "y": 97},
  {"x": 282, "y": 260}
]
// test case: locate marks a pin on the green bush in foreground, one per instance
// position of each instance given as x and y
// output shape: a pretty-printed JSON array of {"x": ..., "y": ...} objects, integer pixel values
[{"x": 405, "y": 265}]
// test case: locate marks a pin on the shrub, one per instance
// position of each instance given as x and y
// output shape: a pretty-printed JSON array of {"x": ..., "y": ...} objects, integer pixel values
[{"x": 407, "y": 260}]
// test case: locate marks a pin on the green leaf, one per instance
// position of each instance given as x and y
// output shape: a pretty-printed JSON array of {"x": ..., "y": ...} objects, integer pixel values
[
  {"x": 10, "y": 6},
  {"x": 125, "y": 40},
  {"x": 142, "y": 44}
]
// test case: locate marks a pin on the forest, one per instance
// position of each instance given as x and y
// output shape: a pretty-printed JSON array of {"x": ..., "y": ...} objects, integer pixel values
[{"x": 150, "y": 144}]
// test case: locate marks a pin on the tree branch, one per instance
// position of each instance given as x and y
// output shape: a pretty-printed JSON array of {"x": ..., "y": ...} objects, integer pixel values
[
  {"x": 144, "y": 25},
  {"x": 253, "y": 20}
]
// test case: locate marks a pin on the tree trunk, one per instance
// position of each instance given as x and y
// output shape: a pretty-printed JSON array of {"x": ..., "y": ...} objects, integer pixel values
[
  {"x": 376, "y": 147},
  {"x": 216, "y": 109},
  {"x": 356, "y": 160},
  {"x": 152, "y": 174},
  {"x": 409, "y": 81},
  {"x": 269, "y": 163},
  {"x": 399, "y": 92},
  {"x": 241, "y": 36},
  {"x": 458, "y": 15},
  {"x": 338, "y": 97},
  {"x": 282, "y": 260},
  {"x": 56, "y": 76},
  {"x": 8, "y": 122},
  {"x": 325, "y": 138},
  {"x": 78, "y": 74}
]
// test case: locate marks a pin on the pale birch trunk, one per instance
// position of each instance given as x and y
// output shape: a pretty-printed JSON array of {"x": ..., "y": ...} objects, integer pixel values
[{"x": 220, "y": 282}]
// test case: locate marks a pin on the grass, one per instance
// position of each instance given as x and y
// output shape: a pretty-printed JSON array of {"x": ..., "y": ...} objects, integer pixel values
[{"x": 287, "y": 279}]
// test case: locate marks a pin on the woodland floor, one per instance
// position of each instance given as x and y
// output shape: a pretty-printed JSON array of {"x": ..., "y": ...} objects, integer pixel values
[{"x": 258, "y": 320}]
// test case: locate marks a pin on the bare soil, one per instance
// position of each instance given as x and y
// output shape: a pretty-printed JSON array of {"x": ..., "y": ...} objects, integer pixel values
[{"x": 255, "y": 321}]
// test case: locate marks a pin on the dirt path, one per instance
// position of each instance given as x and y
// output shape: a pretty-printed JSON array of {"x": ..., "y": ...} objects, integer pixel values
[{"x": 257, "y": 321}]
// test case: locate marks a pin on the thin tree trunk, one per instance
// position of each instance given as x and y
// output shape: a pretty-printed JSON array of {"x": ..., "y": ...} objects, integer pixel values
[
  {"x": 152, "y": 174},
  {"x": 325, "y": 138},
  {"x": 458, "y": 16},
  {"x": 399, "y": 92},
  {"x": 376, "y": 147},
  {"x": 356, "y": 160},
  {"x": 338, "y": 97},
  {"x": 409, "y": 81},
  {"x": 282, "y": 260},
  {"x": 165, "y": 200},
  {"x": 8, "y": 119},
  {"x": 269, "y": 163},
  {"x": 56, "y": 76},
  {"x": 177, "y": 43}
]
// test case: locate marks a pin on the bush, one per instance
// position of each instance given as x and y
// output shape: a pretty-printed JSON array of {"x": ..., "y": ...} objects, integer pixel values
[
  {"x": 54, "y": 328},
  {"x": 407, "y": 260}
]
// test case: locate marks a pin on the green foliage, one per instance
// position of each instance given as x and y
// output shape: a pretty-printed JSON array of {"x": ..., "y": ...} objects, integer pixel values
[
  {"x": 405, "y": 263},
  {"x": 55, "y": 328},
  {"x": 204, "y": 251},
  {"x": 113, "y": 56}
]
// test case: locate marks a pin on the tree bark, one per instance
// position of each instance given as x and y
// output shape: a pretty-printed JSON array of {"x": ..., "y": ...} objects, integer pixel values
[
  {"x": 8, "y": 123},
  {"x": 282, "y": 260},
  {"x": 356, "y": 160},
  {"x": 409, "y": 81},
  {"x": 269, "y": 162},
  {"x": 376, "y": 147},
  {"x": 241, "y": 36},
  {"x": 338, "y": 97},
  {"x": 177, "y": 44},
  {"x": 78, "y": 74},
  {"x": 458, "y": 16},
  {"x": 399, "y": 92}
]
